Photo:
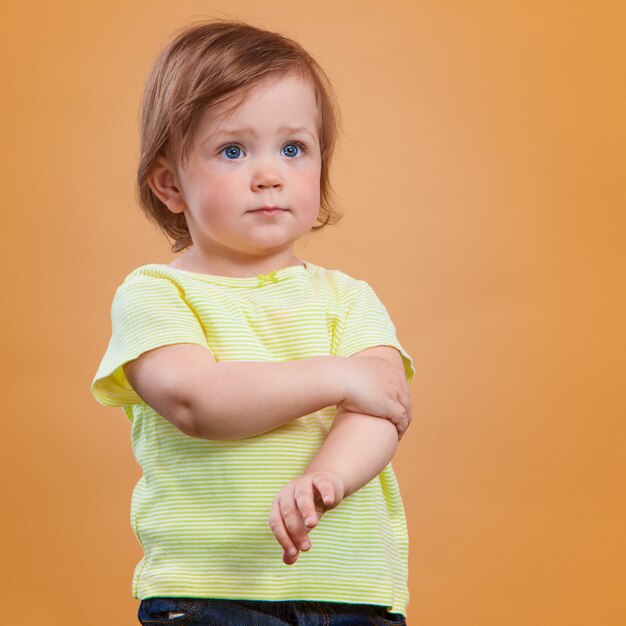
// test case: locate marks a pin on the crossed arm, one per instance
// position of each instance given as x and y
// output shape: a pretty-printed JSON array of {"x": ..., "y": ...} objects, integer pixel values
[
  {"x": 357, "y": 448},
  {"x": 172, "y": 379}
]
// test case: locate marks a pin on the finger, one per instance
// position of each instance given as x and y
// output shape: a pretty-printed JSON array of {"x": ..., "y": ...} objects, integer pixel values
[
  {"x": 290, "y": 550},
  {"x": 294, "y": 522},
  {"x": 326, "y": 490},
  {"x": 400, "y": 419},
  {"x": 405, "y": 400},
  {"x": 304, "y": 500},
  {"x": 403, "y": 417}
]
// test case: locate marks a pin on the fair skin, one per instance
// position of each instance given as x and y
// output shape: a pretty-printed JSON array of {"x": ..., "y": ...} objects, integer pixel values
[
  {"x": 241, "y": 162},
  {"x": 266, "y": 153},
  {"x": 357, "y": 448}
]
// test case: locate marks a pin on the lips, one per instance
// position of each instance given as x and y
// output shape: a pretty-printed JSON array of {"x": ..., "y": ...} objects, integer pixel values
[{"x": 269, "y": 210}]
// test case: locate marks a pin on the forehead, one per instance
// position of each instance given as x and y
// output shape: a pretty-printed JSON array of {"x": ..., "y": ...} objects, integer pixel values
[{"x": 284, "y": 103}]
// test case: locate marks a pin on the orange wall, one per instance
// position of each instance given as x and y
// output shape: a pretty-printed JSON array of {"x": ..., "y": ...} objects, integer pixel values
[{"x": 482, "y": 176}]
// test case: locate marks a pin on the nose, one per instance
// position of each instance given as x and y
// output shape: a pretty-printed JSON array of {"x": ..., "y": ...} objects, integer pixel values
[{"x": 266, "y": 175}]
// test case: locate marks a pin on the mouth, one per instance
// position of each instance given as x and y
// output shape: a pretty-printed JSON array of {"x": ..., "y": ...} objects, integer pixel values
[{"x": 269, "y": 210}]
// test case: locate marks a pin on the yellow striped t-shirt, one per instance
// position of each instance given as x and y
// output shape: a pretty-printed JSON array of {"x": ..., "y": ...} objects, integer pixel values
[{"x": 200, "y": 510}]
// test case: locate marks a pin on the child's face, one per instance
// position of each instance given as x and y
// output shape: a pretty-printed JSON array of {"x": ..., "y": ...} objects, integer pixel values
[{"x": 250, "y": 160}]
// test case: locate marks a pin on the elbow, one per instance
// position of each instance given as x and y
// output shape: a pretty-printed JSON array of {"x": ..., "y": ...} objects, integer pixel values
[
  {"x": 193, "y": 420},
  {"x": 194, "y": 410},
  {"x": 201, "y": 424},
  {"x": 184, "y": 420}
]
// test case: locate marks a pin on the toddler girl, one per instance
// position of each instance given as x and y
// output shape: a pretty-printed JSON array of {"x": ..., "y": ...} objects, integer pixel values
[{"x": 263, "y": 391}]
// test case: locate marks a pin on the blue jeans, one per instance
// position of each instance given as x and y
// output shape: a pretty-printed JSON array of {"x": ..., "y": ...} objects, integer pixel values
[{"x": 218, "y": 612}]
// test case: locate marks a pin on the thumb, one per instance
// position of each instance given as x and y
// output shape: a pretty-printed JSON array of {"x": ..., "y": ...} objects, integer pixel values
[{"x": 328, "y": 497}]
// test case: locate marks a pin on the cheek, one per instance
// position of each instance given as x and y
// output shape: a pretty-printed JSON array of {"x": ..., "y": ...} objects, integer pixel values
[
  {"x": 310, "y": 183},
  {"x": 315, "y": 192},
  {"x": 218, "y": 190}
]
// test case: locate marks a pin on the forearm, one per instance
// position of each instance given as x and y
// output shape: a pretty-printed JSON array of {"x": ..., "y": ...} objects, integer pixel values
[
  {"x": 240, "y": 399},
  {"x": 358, "y": 447}
]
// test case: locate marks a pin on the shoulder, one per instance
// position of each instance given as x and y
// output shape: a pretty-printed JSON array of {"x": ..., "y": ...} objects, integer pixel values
[
  {"x": 148, "y": 285},
  {"x": 342, "y": 285},
  {"x": 150, "y": 277},
  {"x": 154, "y": 272}
]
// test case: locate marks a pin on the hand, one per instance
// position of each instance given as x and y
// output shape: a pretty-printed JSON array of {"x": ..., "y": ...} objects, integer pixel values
[
  {"x": 298, "y": 507},
  {"x": 376, "y": 387}
]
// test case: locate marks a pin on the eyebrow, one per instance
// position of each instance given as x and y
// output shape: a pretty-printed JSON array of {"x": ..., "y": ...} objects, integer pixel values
[{"x": 251, "y": 131}]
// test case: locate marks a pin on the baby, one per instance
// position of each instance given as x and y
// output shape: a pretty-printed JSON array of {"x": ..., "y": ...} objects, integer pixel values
[{"x": 263, "y": 391}]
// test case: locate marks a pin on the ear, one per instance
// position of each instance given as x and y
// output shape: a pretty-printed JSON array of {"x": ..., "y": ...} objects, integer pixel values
[{"x": 164, "y": 184}]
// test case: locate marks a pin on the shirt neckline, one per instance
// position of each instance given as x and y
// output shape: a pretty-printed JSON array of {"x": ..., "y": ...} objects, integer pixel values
[{"x": 245, "y": 281}]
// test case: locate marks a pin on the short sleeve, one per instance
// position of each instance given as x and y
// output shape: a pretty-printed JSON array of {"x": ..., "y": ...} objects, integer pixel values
[
  {"x": 367, "y": 324},
  {"x": 146, "y": 313}
]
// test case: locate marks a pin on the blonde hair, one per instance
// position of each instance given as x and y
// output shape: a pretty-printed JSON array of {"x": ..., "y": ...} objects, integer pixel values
[{"x": 203, "y": 66}]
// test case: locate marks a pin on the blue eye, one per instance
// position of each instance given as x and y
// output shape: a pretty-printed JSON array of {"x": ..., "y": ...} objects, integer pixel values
[
  {"x": 231, "y": 151},
  {"x": 291, "y": 152}
]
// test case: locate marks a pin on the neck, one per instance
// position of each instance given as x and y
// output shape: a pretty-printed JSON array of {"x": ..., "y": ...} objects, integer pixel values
[{"x": 235, "y": 268}]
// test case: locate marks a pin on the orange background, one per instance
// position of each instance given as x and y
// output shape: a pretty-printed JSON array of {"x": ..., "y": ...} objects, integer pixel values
[{"x": 482, "y": 176}]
